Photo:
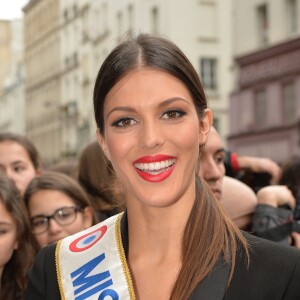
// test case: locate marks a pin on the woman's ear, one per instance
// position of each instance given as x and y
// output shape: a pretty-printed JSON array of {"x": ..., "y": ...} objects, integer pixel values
[
  {"x": 205, "y": 125},
  {"x": 103, "y": 144},
  {"x": 87, "y": 217}
]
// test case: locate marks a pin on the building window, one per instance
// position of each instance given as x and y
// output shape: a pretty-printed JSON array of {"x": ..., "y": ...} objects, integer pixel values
[
  {"x": 209, "y": 73},
  {"x": 292, "y": 16},
  {"x": 130, "y": 20},
  {"x": 263, "y": 24},
  {"x": 75, "y": 10},
  {"x": 155, "y": 20},
  {"x": 260, "y": 108},
  {"x": 66, "y": 14},
  {"x": 289, "y": 102},
  {"x": 120, "y": 23}
]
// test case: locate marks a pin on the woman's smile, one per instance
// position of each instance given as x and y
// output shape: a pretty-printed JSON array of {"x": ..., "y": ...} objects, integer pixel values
[{"x": 155, "y": 168}]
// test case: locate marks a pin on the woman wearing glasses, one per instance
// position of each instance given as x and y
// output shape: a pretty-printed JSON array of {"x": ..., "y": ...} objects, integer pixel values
[{"x": 57, "y": 207}]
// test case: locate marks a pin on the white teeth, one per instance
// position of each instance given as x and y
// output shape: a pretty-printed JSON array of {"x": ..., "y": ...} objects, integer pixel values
[
  {"x": 155, "y": 166},
  {"x": 151, "y": 166}
]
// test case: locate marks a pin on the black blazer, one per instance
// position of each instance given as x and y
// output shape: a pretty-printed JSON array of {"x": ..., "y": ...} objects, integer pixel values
[{"x": 273, "y": 274}]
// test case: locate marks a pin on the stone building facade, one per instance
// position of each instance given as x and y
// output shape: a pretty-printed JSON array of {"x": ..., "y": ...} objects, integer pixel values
[
  {"x": 66, "y": 42},
  {"x": 265, "y": 104},
  {"x": 42, "y": 46}
]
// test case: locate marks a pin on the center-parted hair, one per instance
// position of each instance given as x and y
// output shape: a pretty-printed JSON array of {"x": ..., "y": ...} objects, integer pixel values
[
  {"x": 149, "y": 52},
  {"x": 209, "y": 233}
]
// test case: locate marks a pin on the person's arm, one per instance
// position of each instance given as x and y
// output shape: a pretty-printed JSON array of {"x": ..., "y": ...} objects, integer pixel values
[
  {"x": 235, "y": 163},
  {"x": 239, "y": 201},
  {"x": 276, "y": 196},
  {"x": 260, "y": 165},
  {"x": 269, "y": 212}
]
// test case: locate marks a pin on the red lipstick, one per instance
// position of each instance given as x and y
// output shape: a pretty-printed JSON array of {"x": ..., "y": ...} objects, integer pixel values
[{"x": 155, "y": 168}]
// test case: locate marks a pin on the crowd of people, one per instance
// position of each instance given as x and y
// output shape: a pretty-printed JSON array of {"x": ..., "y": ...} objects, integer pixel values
[{"x": 176, "y": 209}]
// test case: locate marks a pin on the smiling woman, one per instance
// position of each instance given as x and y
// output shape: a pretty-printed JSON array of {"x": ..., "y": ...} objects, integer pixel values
[
  {"x": 173, "y": 241},
  {"x": 135, "y": 113}
]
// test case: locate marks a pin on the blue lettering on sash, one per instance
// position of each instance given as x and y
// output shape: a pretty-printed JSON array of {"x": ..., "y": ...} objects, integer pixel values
[
  {"x": 110, "y": 293},
  {"x": 85, "y": 282}
]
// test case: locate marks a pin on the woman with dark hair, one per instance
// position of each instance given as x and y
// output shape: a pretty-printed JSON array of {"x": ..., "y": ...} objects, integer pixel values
[
  {"x": 96, "y": 176},
  {"x": 17, "y": 249},
  {"x": 58, "y": 207},
  {"x": 19, "y": 159},
  {"x": 173, "y": 241}
]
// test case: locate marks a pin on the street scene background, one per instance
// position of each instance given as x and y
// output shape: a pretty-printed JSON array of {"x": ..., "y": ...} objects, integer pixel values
[{"x": 247, "y": 54}]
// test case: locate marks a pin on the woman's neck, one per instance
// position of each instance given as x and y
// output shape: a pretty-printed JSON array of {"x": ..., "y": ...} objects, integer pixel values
[
  {"x": 154, "y": 252},
  {"x": 155, "y": 244},
  {"x": 156, "y": 229}
]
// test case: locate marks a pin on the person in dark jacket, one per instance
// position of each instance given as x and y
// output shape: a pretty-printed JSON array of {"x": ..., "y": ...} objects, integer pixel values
[{"x": 173, "y": 241}]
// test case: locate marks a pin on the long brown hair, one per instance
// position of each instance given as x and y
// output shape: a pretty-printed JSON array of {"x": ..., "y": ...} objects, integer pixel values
[
  {"x": 208, "y": 232},
  {"x": 14, "y": 277},
  {"x": 95, "y": 174}
]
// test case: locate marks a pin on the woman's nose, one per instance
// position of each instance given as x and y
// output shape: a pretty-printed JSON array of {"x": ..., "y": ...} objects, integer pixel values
[
  {"x": 54, "y": 226},
  {"x": 151, "y": 135}
]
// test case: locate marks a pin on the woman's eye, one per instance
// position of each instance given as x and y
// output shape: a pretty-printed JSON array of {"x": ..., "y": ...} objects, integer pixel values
[
  {"x": 173, "y": 114},
  {"x": 64, "y": 215},
  {"x": 125, "y": 122},
  {"x": 18, "y": 169},
  {"x": 38, "y": 222}
]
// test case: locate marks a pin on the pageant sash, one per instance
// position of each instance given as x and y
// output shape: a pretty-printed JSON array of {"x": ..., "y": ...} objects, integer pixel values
[{"x": 92, "y": 265}]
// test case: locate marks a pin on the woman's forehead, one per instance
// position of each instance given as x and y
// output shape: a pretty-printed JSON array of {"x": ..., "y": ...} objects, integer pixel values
[{"x": 144, "y": 84}]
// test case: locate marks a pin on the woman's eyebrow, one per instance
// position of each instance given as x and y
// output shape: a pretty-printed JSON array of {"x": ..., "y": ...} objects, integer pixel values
[
  {"x": 5, "y": 223},
  {"x": 16, "y": 162},
  {"x": 121, "y": 108},
  {"x": 171, "y": 100}
]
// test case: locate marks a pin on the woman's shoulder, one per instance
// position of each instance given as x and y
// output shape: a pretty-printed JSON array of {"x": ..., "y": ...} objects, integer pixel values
[
  {"x": 272, "y": 272},
  {"x": 267, "y": 255},
  {"x": 262, "y": 248}
]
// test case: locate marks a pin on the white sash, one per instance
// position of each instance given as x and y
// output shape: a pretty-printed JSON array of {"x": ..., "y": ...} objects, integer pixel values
[{"x": 92, "y": 265}]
